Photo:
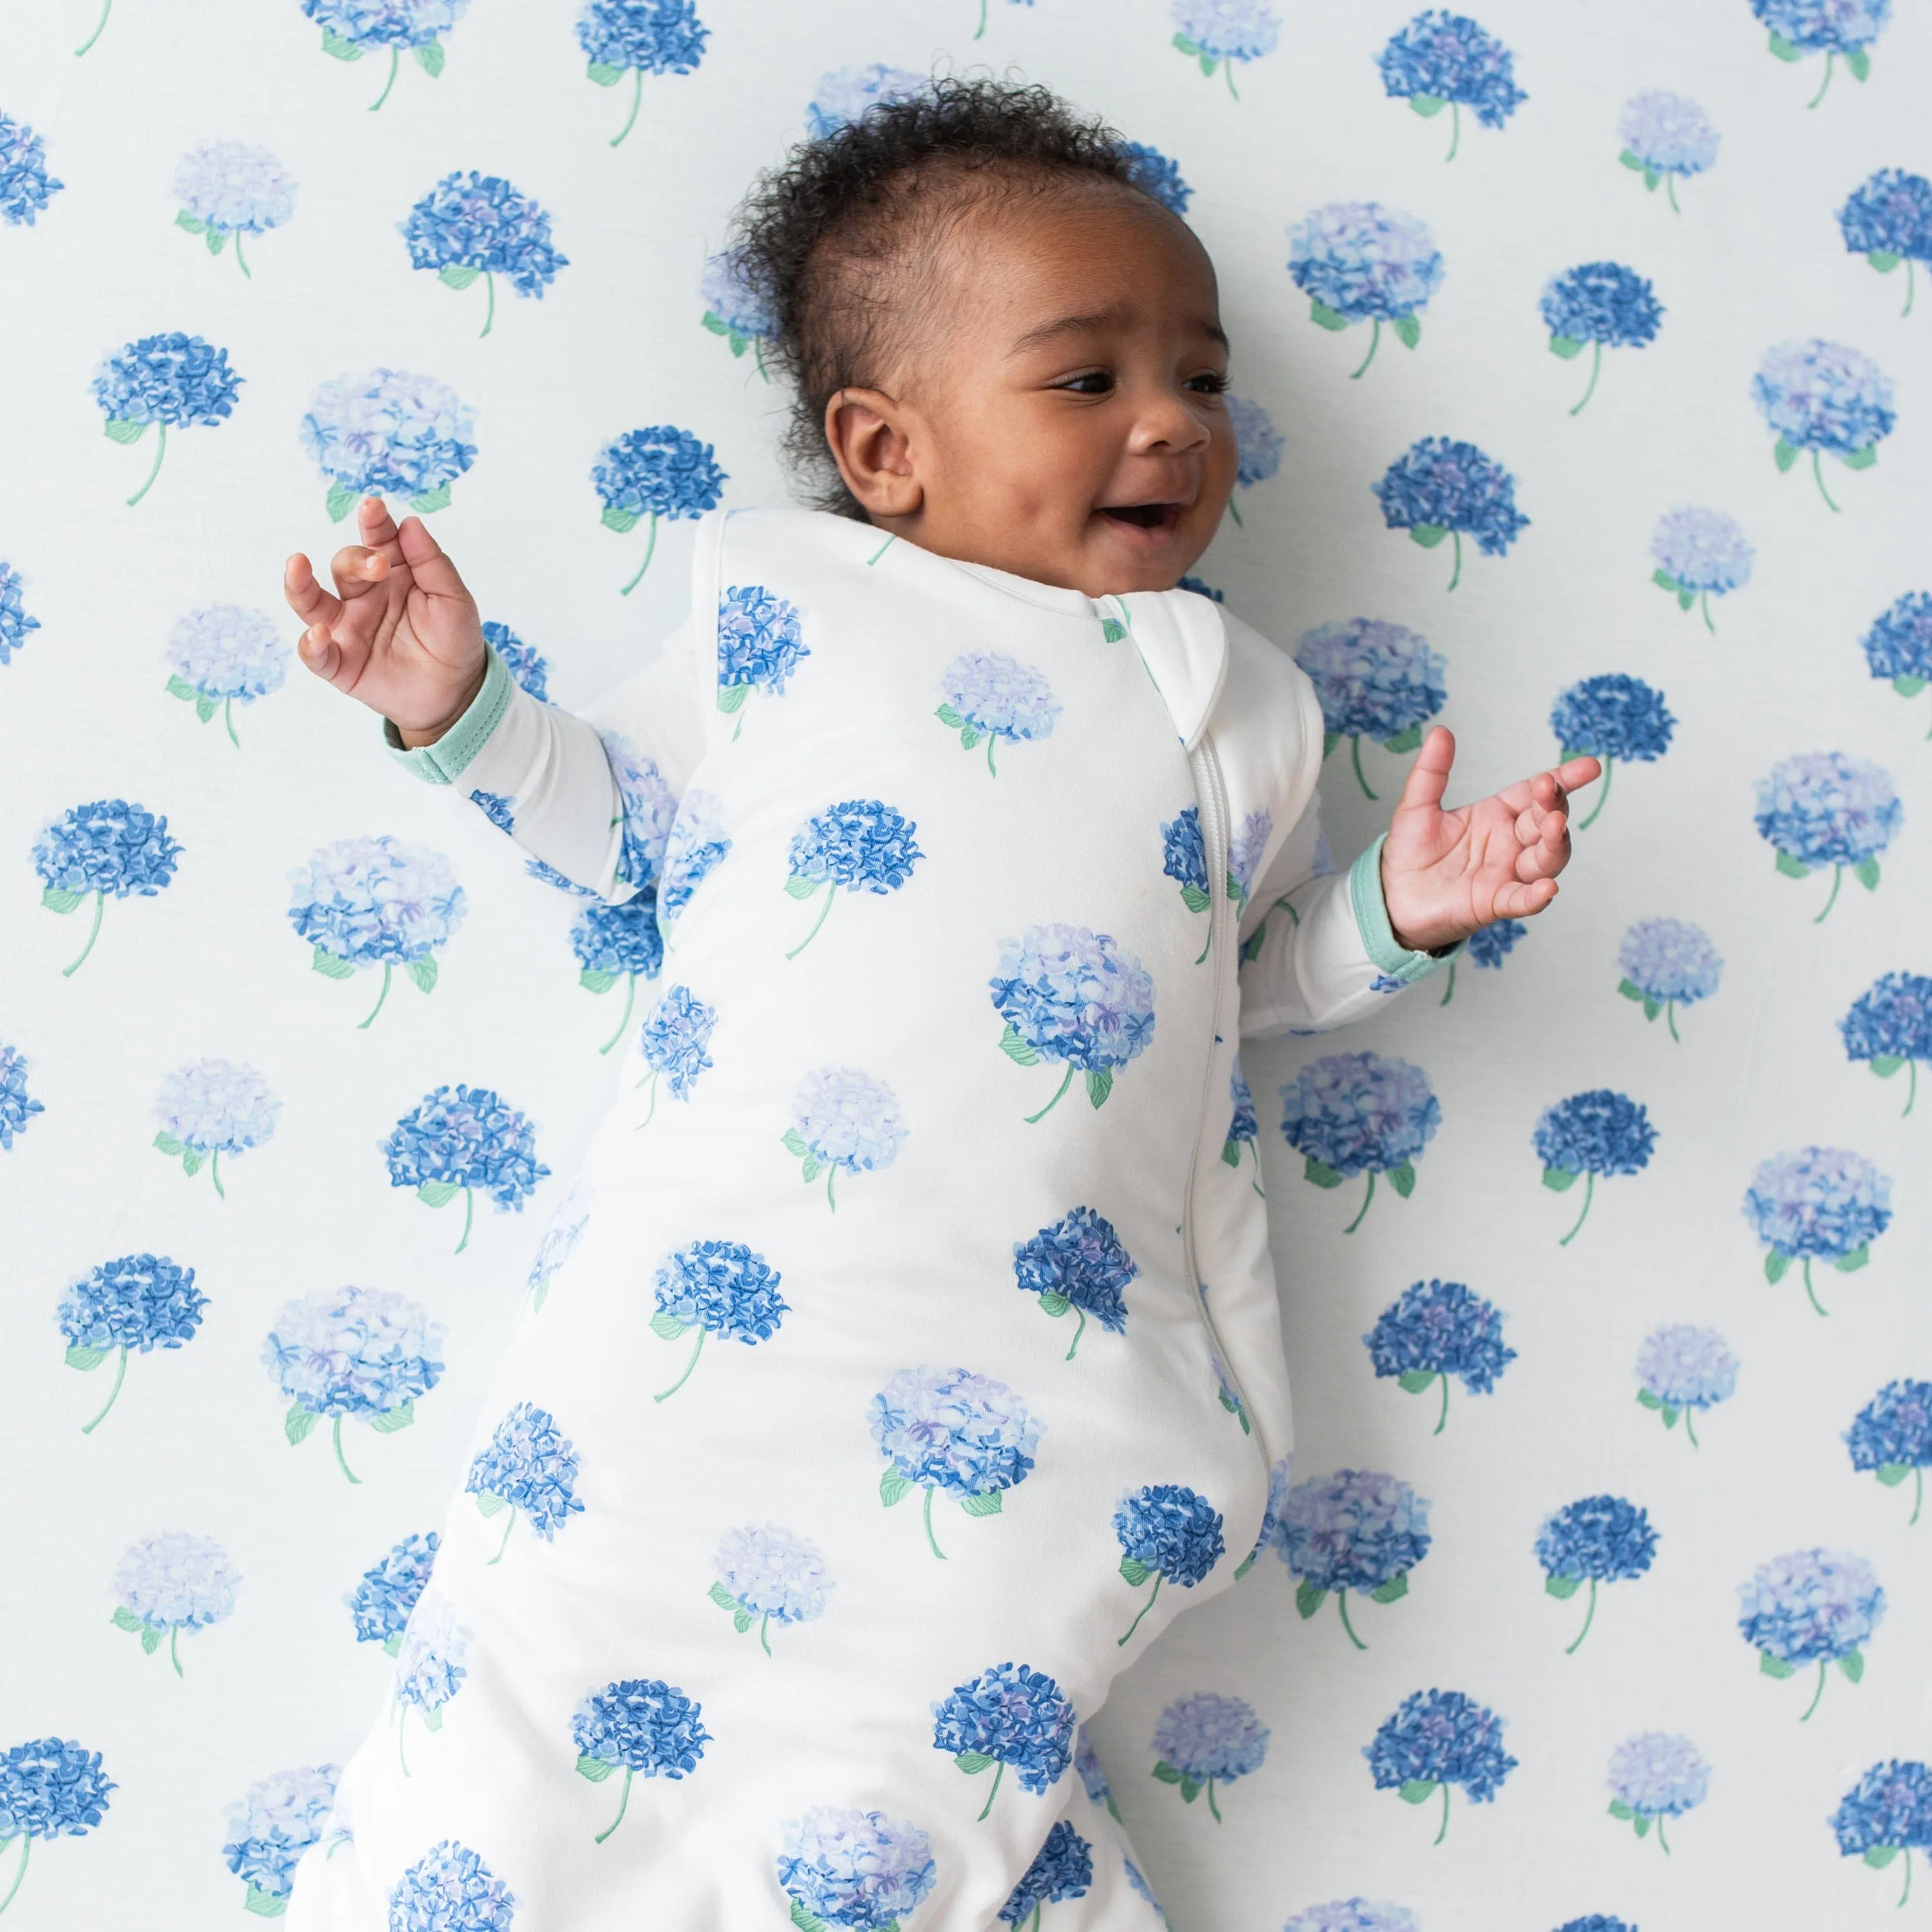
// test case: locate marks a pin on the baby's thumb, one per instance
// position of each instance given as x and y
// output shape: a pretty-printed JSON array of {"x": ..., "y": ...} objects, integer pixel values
[{"x": 429, "y": 568}]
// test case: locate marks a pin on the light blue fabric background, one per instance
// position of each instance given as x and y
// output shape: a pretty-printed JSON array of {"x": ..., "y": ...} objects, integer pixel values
[{"x": 1751, "y": 257}]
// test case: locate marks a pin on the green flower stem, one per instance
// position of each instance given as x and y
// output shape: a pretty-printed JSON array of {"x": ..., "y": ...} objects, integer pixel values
[
  {"x": 1704, "y": 604},
  {"x": 1341, "y": 1604},
  {"x": 336, "y": 1433},
  {"x": 1449, "y": 991},
  {"x": 1444, "y": 1832},
  {"x": 106, "y": 7},
  {"x": 379, "y": 998},
  {"x": 979, "y": 32},
  {"x": 758, "y": 357},
  {"x": 883, "y": 548},
  {"x": 1824, "y": 1664},
  {"x": 1830, "y": 58},
  {"x": 1065, "y": 1083},
  {"x": 1917, "y": 1494},
  {"x": 1911, "y": 1086},
  {"x": 1375, "y": 343},
  {"x": 1589, "y": 1618},
  {"x": 240, "y": 262},
  {"x": 1670, "y": 189},
  {"x": 27, "y": 1838},
  {"x": 1808, "y": 1295},
  {"x": 1455, "y": 127},
  {"x": 1596, "y": 370},
  {"x": 831, "y": 1177},
  {"x": 214, "y": 1174},
  {"x": 120, "y": 1372},
  {"x": 1690, "y": 1428},
  {"x": 1455, "y": 576},
  {"x": 929, "y": 1537},
  {"x": 1603, "y": 797},
  {"x": 1902, "y": 1897},
  {"x": 688, "y": 1366},
  {"x": 764, "y": 1624},
  {"x": 1442, "y": 1420},
  {"x": 93, "y": 933},
  {"x": 1000, "y": 1773},
  {"x": 1837, "y": 879},
  {"x": 469, "y": 1217},
  {"x": 1144, "y": 1609},
  {"x": 1661, "y": 1838},
  {"x": 636, "y": 101},
  {"x": 174, "y": 1648},
  {"x": 1906, "y": 310},
  {"x": 623, "y": 1805},
  {"x": 402, "y": 1725},
  {"x": 1589, "y": 1184},
  {"x": 630, "y": 1000},
  {"x": 1364, "y": 1208},
  {"x": 160, "y": 450},
  {"x": 509, "y": 1524},
  {"x": 1355, "y": 759},
  {"x": 490, "y": 305},
  {"x": 992, "y": 738},
  {"x": 649, "y": 547},
  {"x": 1228, "y": 69},
  {"x": 831, "y": 892},
  {"x": 1211, "y": 1805},
  {"x": 1234, "y": 510},
  {"x": 1670, "y": 1020},
  {"x": 1818, "y": 475},
  {"x": 1207, "y": 943},
  {"x": 395, "y": 58},
  {"x": 1080, "y": 1330},
  {"x": 228, "y": 720},
  {"x": 651, "y": 1109}
]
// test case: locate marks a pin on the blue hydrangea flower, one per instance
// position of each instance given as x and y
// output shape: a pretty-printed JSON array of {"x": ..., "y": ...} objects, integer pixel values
[
  {"x": 525, "y": 662},
  {"x": 1811, "y": 1606},
  {"x": 1699, "y": 554},
  {"x": 1892, "y": 1434},
  {"x": 649, "y": 1727},
  {"x": 696, "y": 846},
  {"x": 768, "y": 1572},
  {"x": 350, "y": 27},
  {"x": 50, "y": 1788},
  {"x": 759, "y": 644},
  {"x": 1258, "y": 446},
  {"x": 1078, "y": 1263},
  {"x": 845, "y": 94},
  {"x": 1888, "y": 219},
  {"x": 1356, "y": 1113},
  {"x": 1680, "y": 1369},
  {"x": 1009, "y": 1714},
  {"x": 1374, "y": 679},
  {"x": 644, "y": 36},
  {"x": 174, "y": 381},
  {"x": 1357, "y": 261},
  {"x": 476, "y": 224},
  {"x": 17, "y": 1106},
  {"x": 1356, "y": 1530},
  {"x": 450, "y": 1889},
  {"x": 1489, "y": 946},
  {"x": 388, "y": 432},
  {"x": 15, "y": 623},
  {"x": 361, "y": 1352},
  {"x": 270, "y": 1826},
  {"x": 222, "y": 654},
  {"x": 430, "y": 1666},
  {"x": 1598, "y": 1132},
  {"x": 1436, "y": 1739},
  {"x": 1832, "y": 27},
  {"x": 1612, "y": 717},
  {"x": 1062, "y": 1868},
  {"x": 1169, "y": 1532},
  {"x": 1442, "y": 57},
  {"x": 985, "y": 695},
  {"x": 1243, "y": 1128},
  {"x": 528, "y": 1464},
  {"x": 618, "y": 942},
  {"x": 25, "y": 186},
  {"x": 718, "y": 1288},
  {"x": 855, "y": 1869},
  {"x": 210, "y": 1107},
  {"x": 950, "y": 1430},
  {"x": 1897, "y": 646},
  {"x": 1596, "y": 1921},
  {"x": 1666, "y": 135},
  {"x": 1156, "y": 176},
  {"x": 1824, "y": 808},
  {"x": 1184, "y": 860},
  {"x": 559, "y": 1240},
  {"x": 1440, "y": 487},
  {"x": 674, "y": 1042},
  {"x": 1201, "y": 588},
  {"x": 173, "y": 1582},
  {"x": 1353, "y": 1915},
  {"x": 1889, "y": 1026},
  {"x": 381, "y": 1603},
  {"x": 1827, "y": 397},
  {"x": 1888, "y": 1812},
  {"x": 1656, "y": 1775},
  {"x": 841, "y": 1117},
  {"x": 228, "y": 187},
  {"x": 364, "y": 902},
  {"x": 143, "y": 1302},
  {"x": 1665, "y": 962},
  {"x": 1069, "y": 994},
  {"x": 735, "y": 309},
  {"x": 106, "y": 847},
  {"x": 1826, "y": 1204},
  {"x": 464, "y": 1137},
  {"x": 1218, "y": 33},
  {"x": 1093, "y": 1773},
  {"x": 1246, "y": 845},
  {"x": 1200, "y": 1739},
  {"x": 1597, "y": 1540},
  {"x": 1435, "y": 1329},
  {"x": 1141, "y": 1887},
  {"x": 659, "y": 471}
]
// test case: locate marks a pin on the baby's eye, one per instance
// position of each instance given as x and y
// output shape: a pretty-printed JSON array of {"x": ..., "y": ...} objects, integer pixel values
[
  {"x": 1208, "y": 383},
  {"x": 1092, "y": 382}
]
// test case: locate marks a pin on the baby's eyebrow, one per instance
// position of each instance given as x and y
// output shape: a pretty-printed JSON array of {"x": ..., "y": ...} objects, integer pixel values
[{"x": 1100, "y": 319}]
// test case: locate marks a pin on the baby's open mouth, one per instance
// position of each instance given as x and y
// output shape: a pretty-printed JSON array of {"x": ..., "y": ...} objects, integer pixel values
[{"x": 1144, "y": 516}]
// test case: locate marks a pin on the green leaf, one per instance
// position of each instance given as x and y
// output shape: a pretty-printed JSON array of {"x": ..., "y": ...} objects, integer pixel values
[
  {"x": 1892, "y": 1474},
  {"x": 597, "y": 1769},
  {"x": 1134, "y": 1571},
  {"x": 391, "y": 1419},
  {"x": 1565, "y": 346},
  {"x": 1166, "y": 1773},
  {"x": 1207, "y": 64},
  {"x": 968, "y": 737},
  {"x": 604, "y": 73},
  {"x": 811, "y": 1167},
  {"x": 1562, "y": 1587},
  {"x": 151, "y": 1639},
  {"x": 804, "y": 1921},
  {"x": 1393, "y": 1591},
  {"x": 1850, "y": 1263},
  {"x": 1664, "y": 580},
  {"x": 433, "y": 1720},
  {"x": 1651, "y": 1006},
  {"x": 339, "y": 502},
  {"x": 429, "y": 57},
  {"x": 1640, "y": 1825},
  {"x": 1417, "y": 1790},
  {"x": 1194, "y": 899},
  {"x": 1099, "y": 1086},
  {"x": 392, "y": 1645},
  {"x": 1908, "y": 687},
  {"x": 1311, "y": 1169},
  {"x": 950, "y": 717},
  {"x": 118, "y": 430},
  {"x": 1651, "y": 179},
  {"x": 1231, "y": 1153},
  {"x": 1187, "y": 46},
  {"x": 667, "y": 1327},
  {"x": 78, "y": 1358},
  {"x": 1783, "y": 49},
  {"x": 1866, "y": 872},
  {"x": 1784, "y": 453},
  {"x": 1054, "y": 1304},
  {"x": 1630, "y": 160},
  {"x": 457, "y": 275},
  {"x": 1427, "y": 105},
  {"x": 800, "y": 887},
  {"x": 266, "y": 1904},
  {"x": 1111, "y": 631},
  {"x": 1631, "y": 990},
  {"x": 1775, "y": 1263},
  {"x": 1774, "y": 1667},
  {"x": 1685, "y": 599},
  {"x": 1879, "y": 1856},
  {"x": 741, "y": 1621},
  {"x": 217, "y": 239},
  {"x": 1859, "y": 62},
  {"x": 619, "y": 521},
  {"x": 55, "y": 900},
  {"x": 1402, "y": 1178},
  {"x": 204, "y": 707},
  {"x": 331, "y": 968},
  {"x": 298, "y": 1422},
  {"x": 1852, "y": 1663},
  {"x": 1670, "y": 1416},
  {"x": 1308, "y": 1599},
  {"x": 594, "y": 982},
  {"x": 730, "y": 696},
  {"x": 1619, "y": 1809},
  {"x": 428, "y": 501},
  {"x": 1413, "y": 1382},
  {"x": 1883, "y": 260},
  {"x": 124, "y": 1618},
  {"x": 1404, "y": 741},
  {"x": 1428, "y": 535},
  {"x": 194, "y": 224},
  {"x": 1330, "y": 739},
  {"x": 1792, "y": 868},
  {"x": 179, "y": 687},
  {"x": 1408, "y": 330},
  {"x": 1190, "y": 1788},
  {"x": 893, "y": 1487},
  {"x": 1648, "y": 1400},
  {"x": 191, "y": 1163},
  {"x": 1319, "y": 311},
  {"x": 795, "y": 1143},
  {"x": 340, "y": 46},
  {"x": 723, "y": 1597},
  {"x": 988, "y": 1504},
  {"x": 1861, "y": 459},
  {"x": 488, "y": 1503},
  {"x": 1558, "y": 1178},
  {"x": 437, "y": 1193},
  {"x": 973, "y": 1762}
]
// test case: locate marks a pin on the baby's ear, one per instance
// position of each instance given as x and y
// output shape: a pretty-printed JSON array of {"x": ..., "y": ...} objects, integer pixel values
[{"x": 867, "y": 435}]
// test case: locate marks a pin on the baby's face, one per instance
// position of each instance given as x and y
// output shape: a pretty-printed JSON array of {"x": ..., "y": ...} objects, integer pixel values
[{"x": 1061, "y": 409}]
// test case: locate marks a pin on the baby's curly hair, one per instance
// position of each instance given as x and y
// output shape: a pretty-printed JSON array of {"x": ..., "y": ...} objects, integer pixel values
[{"x": 835, "y": 242}]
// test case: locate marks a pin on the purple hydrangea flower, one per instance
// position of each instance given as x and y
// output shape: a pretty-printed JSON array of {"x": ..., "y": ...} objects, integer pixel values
[
  {"x": 1443, "y": 58},
  {"x": 1595, "y": 1132},
  {"x": 985, "y": 695},
  {"x": 859, "y": 1870},
  {"x": 1373, "y": 680},
  {"x": 226, "y": 188},
  {"x": 1359, "y": 1113},
  {"x": 364, "y": 902},
  {"x": 1699, "y": 554},
  {"x": 1829, "y": 27},
  {"x": 1436, "y": 1329},
  {"x": 1667, "y": 963},
  {"x": 1827, "y": 397},
  {"x": 1824, "y": 808},
  {"x": 1594, "y": 1539},
  {"x": 1218, "y": 33},
  {"x": 1811, "y": 1606},
  {"x": 1666, "y": 135},
  {"x": 1359, "y": 1530},
  {"x": 1205, "y": 1738},
  {"x": 1434, "y": 1739},
  {"x": 450, "y": 1889},
  {"x": 1259, "y": 445},
  {"x": 950, "y": 1430},
  {"x": 388, "y": 432},
  {"x": 734, "y": 309},
  {"x": 1655, "y": 1775},
  {"x": 1440, "y": 487},
  {"x": 1071, "y": 995},
  {"x": 173, "y": 1582},
  {"x": 759, "y": 645},
  {"x": 843, "y": 1118},
  {"x": 659, "y": 471},
  {"x": 1824, "y": 1204},
  {"x": 1357, "y": 261}
]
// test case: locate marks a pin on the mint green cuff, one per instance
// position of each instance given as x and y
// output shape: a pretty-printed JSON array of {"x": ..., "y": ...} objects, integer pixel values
[
  {"x": 1390, "y": 955},
  {"x": 444, "y": 762}
]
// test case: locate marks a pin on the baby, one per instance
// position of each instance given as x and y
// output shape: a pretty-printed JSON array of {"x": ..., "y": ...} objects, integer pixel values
[{"x": 976, "y": 846}]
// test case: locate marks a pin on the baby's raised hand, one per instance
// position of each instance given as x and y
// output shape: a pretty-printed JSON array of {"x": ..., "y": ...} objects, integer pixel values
[
  {"x": 1444, "y": 873},
  {"x": 401, "y": 634}
]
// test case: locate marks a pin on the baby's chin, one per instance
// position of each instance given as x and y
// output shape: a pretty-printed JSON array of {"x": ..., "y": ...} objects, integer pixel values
[{"x": 1151, "y": 548}]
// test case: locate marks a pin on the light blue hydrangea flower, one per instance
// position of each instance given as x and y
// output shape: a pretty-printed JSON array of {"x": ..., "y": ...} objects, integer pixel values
[
  {"x": 472, "y": 224},
  {"x": 525, "y": 662},
  {"x": 1889, "y": 1026},
  {"x": 617, "y": 942},
  {"x": 15, "y": 623},
  {"x": 221, "y": 654},
  {"x": 1611, "y": 717},
  {"x": 649, "y": 1727},
  {"x": 769, "y": 1572},
  {"x": 1062, "y": 1868},
  {"x": 1009, "y": 1714},
  {"x": 450, "y": 1889},
  {"x": 270, "y": 1826},
  {"x": 1360, "y": 1113},
  {"x": 1078, "y": 1263},
  {"x": 1603, "y": 303},
  {"x": 1827, "y": 397},
  {"x": 210, "y": 1107},
  {"x": 350, "y": 28},
  {"x": 1436, "y": 1739},
  {"x": 759, "y": 645},
  {"x": 1169, "y": 1532},
  {"x": 429, "y": 1666},
  {"x": 1656, "y": 1775},
  {"x": 697, "y": 846},
  {"x": 1892, "y": 1434},
  {"x": 1440, "y": 487},
  {"x": 985, "y": 695},
  {"x": 1156, "y": 176},
  {"x": 1811, "y": 1606},
  {"x": 1374, "y": 679},
  {"x": 559, "y": 1240},
  {"x": 735, "y": 309},
  {"x": 1071, "y": 995},
  {"x": 1666, "y": 135},
  {"x": 1205, "y": 1738},
  {"x": 1218, "y": 33},
  {"x": 1700, "y": 553},
  {"x": 1246, "y": 845},
  {"x": 367, "y": 1352},
  {"x": 1680, "y": 1369},
  {"x": 1353, "y": 1915},
  {"x": 381, "y": 1602},
  {"x": 950, "y": 1430},
  {"x": 388, "y": 432},
  {"x": 1357, "y": 1530},
  {"x": 649, "y": 808},
  {"x": 462, "y": 1138},
  {"x": 1594, "y": 1539},
  {"x": 660, "y": 471},
  {"x": 721, "y": 1289},
  {"x": 1357, "y": 261},
  {"x": 143, "y": 1302},
  {"x": 845, "y": 94},
  {"x": 169, "y": 1583},
  {"x": 675, "y": 1040},
  {"x": 642, "y": 36},
  {"x": 1489, "y": 947},
  {"x": 1434, "y": 1330},
  {"x": 1887, "y": 1813},
  {"x": 528, "y": 1465},
  {"x": 364, "y": 902},
  {"x": 841, "y": 1117},
  {"x": 228, "y": 187},
  {"x": 1832, "y": 27},
  {"x": 1825, "y": 808},
  {"x": 173, "y": 381},
  {"x": 17, "y": 1106},
  {"x": 25, "y": 186},
  {"x": 1243, "y": 1128},
  {"x": 105, "y": 847},
  {"x": 1258, "y": 446},
  {"x": 1897, "y": 646},
  {"x": 1444, "y": 58},
  {"x": 1825, "y": 1203},
  {"x": 1888, "y": 219},
  {"x": 855, "y": 1869},
  {"x": 1667, "y": 963},
  {"x": 1599, "y": 1131}
]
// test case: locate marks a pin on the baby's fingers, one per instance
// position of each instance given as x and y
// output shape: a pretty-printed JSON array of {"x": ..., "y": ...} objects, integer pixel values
[
  {"x": 305, "y": 597},
  {"x": 1523, "y": 900},
  {"x": 356, "y": 568}
]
